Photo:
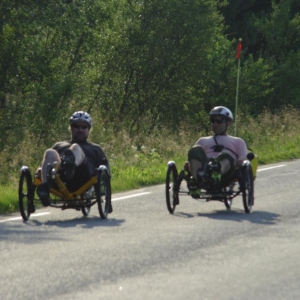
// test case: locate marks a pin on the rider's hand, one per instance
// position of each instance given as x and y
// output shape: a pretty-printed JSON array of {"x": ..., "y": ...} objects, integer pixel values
[{"x": 240, "y": 160}]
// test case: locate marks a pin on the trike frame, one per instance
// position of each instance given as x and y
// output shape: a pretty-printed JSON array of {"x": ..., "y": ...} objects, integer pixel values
[
  {"x": 243, "y": 184},
  {"x": 96, "y": 190}
]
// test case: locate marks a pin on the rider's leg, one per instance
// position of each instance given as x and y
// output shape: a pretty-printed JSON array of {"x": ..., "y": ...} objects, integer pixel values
[
  {"x": 78, "y": 154},
  {"x": 197, "y": 160},
  {"x": 228, "y": 169},
  {"x": 225, "y": 165},
  {"x": 43, "y": 189},
  {"x": 50, "y": 156},
  {"x": 72, "y": 158}
]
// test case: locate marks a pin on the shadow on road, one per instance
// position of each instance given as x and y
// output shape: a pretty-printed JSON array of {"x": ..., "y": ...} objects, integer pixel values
[
  {"x": 35, "y": 231},
  {"x": 89, "y": 222},
  {"x": 257, "y": 217}
]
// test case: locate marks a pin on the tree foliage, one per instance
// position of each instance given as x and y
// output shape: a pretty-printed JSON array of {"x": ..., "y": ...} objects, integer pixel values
[
  {"x": 141, "y": 64},
  {"x": 161, "y": 57},
  {"x": 270, "y": 32}
]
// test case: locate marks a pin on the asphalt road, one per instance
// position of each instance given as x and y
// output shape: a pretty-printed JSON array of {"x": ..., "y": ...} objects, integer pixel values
[{"x": 203, "y": 251}]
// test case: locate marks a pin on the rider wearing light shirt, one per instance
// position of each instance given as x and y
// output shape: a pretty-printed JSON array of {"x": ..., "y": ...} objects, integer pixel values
[{"x": 221, "y": 151}]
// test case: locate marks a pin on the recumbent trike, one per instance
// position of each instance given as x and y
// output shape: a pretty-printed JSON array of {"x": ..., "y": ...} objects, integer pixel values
[
  {"x": 243, "y": 184},
  {"x": 96, "y": 190}
]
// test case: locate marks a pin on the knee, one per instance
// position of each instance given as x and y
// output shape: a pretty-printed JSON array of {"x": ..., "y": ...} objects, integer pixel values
[
  {"x": 78, "y": 153},
  {"x": 51, "y": 155},
  {"x": 197, "y": 152},
  {"x": 74, "y": 147}
]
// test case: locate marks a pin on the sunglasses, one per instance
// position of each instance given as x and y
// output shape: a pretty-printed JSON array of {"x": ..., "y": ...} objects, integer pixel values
[
  {"x": 218, "y": 121},
  {"x": 79, "y": 126}
]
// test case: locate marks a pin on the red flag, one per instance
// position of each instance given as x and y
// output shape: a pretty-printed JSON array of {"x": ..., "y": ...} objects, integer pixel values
[{"x": 239, "y": 49}]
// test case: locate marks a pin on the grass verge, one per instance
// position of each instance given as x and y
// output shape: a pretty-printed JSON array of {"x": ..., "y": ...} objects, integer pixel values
[{"x": 136, "y": 164}]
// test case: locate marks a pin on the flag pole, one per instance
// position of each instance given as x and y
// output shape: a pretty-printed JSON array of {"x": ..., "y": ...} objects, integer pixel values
[{"x": 238, "y": 56}]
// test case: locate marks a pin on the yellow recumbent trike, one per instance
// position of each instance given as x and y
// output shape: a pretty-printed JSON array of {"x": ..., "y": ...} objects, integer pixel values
[{"x": 96, "y": 190}]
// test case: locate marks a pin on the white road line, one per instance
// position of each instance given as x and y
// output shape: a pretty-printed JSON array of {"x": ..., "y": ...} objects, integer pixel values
[
  {"x": 131, "y": 196},
  {"x": 20, "y": 218},
  {"x": 269, "y": 168},
  {"x": 47, "y": 213},
  {"x": 117, "y": 199}
]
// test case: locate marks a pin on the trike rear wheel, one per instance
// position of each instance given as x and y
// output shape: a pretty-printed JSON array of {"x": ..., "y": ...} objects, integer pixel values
[
  {"x": 86, "y": 209},
  {"x": 26, "y": 193},
  {"x": 228, "y": 202},
  {"x": 171, "y": 187},
  {"x": 228, "y": 191},
  {"x": 103, "y": 192}
]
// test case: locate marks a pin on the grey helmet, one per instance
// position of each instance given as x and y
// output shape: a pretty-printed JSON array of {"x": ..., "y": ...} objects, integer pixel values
[
  {"x": 81, "y": 116},
  {"x": 222, "y": 111}
]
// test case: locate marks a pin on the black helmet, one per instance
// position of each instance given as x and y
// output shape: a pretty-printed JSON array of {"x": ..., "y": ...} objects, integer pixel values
[{"x": 81, "y": 116}]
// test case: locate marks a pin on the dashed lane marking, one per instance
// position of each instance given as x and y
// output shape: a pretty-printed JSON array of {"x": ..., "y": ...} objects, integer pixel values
[{"x": 47, "y": 213}]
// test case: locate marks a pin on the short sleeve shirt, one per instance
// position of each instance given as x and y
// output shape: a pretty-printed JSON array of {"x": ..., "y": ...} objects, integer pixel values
[{"x": 234, "y": 146}]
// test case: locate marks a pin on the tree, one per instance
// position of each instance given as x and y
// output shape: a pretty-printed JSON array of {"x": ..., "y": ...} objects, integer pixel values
[
  {"x": 46, "y": 53},
  {"x": 270, "y": 32},
  {"x": 161, "y": 55}
]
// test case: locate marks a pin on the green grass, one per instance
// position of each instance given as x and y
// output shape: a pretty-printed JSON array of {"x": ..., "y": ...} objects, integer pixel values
[
  {"x": 272, "y": 137},
  {"x": 9, "y": 197}
]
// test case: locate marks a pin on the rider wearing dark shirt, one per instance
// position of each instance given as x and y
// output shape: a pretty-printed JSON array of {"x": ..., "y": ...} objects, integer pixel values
[
  {"x": 94, "y": 157},
  {"x": 78, "y": 158}
]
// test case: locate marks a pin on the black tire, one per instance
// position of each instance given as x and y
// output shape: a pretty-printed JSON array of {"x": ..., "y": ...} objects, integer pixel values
[
  {"x": 247, "y": 187},
  {"x": 103, "y": 192},
  {"x": 26, "y": 193},
  {"x": 86, "y": 209},
  {"x": 88, "y": 196},
  {"x": 228, "y": 202},
  {"x": 172, "y": 197}
]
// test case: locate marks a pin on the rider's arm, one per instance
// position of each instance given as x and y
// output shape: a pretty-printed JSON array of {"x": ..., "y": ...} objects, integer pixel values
[
  {"x": 241, "y": 151},
  {"x": 102, "y": 158}
]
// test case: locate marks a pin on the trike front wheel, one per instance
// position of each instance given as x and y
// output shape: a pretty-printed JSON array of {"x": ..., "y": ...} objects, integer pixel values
[
  {"x": 171, "y": 187},
  {"x": 26, "y": 193},
  {"x": 247, "y": 186},
  {"x": 103, "y": 192}
]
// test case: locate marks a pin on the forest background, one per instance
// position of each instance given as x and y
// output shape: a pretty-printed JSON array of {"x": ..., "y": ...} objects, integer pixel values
[{"x": 148, "y": 72}]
